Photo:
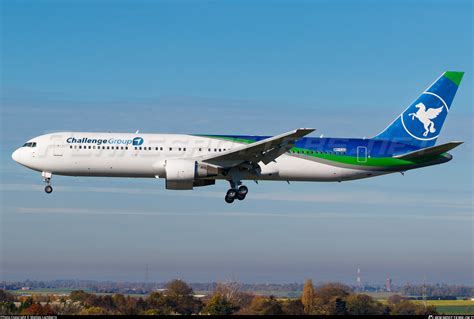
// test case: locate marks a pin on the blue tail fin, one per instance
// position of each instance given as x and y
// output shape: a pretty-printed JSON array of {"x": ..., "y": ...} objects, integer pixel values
[{"x": 420, "y": 124}]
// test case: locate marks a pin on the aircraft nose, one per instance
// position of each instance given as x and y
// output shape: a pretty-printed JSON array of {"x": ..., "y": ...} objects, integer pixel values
[{"x": 16, "y": 155}]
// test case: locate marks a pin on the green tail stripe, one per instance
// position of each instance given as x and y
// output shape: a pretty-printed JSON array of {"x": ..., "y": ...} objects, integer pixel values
[{"x": 456, "y": 77}]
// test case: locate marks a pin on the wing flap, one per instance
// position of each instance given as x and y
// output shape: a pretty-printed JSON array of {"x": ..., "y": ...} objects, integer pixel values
[{"x": 429, "y": 151}]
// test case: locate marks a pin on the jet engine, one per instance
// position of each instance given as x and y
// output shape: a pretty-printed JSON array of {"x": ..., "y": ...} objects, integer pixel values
[{"x": 185, "y": 174}]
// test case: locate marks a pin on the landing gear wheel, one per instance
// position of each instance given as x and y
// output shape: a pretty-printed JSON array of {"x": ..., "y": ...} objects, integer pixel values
[
  {"x": 240, "y": 196},
  {"x": 231, "y": 193},
  {"x": 48, "y": 189},
  {"x": 243, "y": 190}
]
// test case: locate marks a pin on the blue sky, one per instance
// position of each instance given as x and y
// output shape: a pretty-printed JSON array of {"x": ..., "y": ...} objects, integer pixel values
[{"x": 237, "y": 67}]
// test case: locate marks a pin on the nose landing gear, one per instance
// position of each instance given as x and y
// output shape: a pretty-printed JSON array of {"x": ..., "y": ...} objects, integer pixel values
[
  {"x": 47, "y": 179},
  {"x": 48, "y": 189}
]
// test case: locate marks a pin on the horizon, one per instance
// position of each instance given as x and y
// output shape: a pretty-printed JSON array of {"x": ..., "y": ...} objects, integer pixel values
[
  {"x": 347, "y": 69},
  {"x": 315, "y": 283}
]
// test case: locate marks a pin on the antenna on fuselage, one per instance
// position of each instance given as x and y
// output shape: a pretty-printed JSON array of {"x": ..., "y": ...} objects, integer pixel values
[
  {"x": 138, "y": 131},
  {"x": 321, "y": 136}
]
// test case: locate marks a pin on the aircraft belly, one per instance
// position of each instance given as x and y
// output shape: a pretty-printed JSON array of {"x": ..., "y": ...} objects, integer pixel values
[
  {"x": 300, "y": 169},
  {"x": 294, "y": 168}
]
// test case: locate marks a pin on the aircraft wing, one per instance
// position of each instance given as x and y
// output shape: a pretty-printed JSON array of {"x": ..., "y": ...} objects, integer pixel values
[
  {"x": 264, "y": 151},
  {"x": 429, "y": 151}
]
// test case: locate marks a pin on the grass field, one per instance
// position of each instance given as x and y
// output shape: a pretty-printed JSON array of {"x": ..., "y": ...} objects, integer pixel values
[
  {"x": 446, "y": 307},
  {"x": 65, "y": 291},
  {"x": 45, "y": 291},
  {"x": 451, "y": 307}
]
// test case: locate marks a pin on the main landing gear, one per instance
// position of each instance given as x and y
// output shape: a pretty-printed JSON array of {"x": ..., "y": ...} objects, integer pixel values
[
  {"x": 237, "y": 190},
  {"x": 47, "y": 179},
  {"x": 238, "y": 193}
]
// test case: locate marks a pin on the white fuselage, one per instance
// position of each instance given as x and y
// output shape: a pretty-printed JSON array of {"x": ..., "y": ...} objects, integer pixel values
[{"x": 114, "y": 155}]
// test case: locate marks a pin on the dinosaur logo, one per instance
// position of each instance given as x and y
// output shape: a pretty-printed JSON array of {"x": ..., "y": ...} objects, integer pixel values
[{"x": 425, "y": 116}]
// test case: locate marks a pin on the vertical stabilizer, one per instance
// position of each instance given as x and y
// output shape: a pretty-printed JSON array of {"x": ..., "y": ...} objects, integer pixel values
[{"x": 420, "y": 124}]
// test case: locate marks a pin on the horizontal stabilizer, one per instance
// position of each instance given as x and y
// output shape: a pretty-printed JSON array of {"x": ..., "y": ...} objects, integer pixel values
[{"x": 429, "y": 151}]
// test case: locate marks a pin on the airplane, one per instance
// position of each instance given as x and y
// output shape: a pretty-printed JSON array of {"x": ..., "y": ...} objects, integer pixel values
[{"x": 194, "y": 160}]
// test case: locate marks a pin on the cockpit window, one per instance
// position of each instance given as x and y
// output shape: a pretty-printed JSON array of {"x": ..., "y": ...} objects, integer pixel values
[{"x": 30, "y": 144}]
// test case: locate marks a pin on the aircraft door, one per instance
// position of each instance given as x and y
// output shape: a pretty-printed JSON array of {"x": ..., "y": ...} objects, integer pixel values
[
  {"x": 361, "y": 154},
  {"x": 58, "y": 148}
]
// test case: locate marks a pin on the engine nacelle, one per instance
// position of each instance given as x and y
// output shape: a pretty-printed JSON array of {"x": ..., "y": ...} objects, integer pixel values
[{"x": 182, "y": 173}]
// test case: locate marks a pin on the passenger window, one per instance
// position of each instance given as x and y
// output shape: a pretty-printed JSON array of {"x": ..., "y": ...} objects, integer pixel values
[
  {"x": 200, "y": 149},
  {"x": 156, "y": 148},
  {"x": 90, "y": 147},
  {"x": 126, "y": 147},
  {"x": 215, "y": 150},
  {"x": 179, "y": 149},
  {"x": 149, "y": 148},
  {"x": 171, "y": 148},
  {"x": 161, "y": 148},
  {"x": 80, "y": 146},
  {"x": 70, "y": 146},
  {"x": 184, "y": 149}
]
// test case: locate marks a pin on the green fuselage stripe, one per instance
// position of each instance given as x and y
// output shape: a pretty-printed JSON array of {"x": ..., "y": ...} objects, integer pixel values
[{"x": 344, "y": 159}]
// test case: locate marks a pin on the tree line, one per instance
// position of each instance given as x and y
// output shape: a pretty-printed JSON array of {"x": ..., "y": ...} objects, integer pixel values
[{"x": 226, "y": 299}]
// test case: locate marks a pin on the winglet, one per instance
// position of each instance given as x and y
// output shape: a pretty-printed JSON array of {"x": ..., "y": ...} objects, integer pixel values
[{"x": 304, "y": 131}]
